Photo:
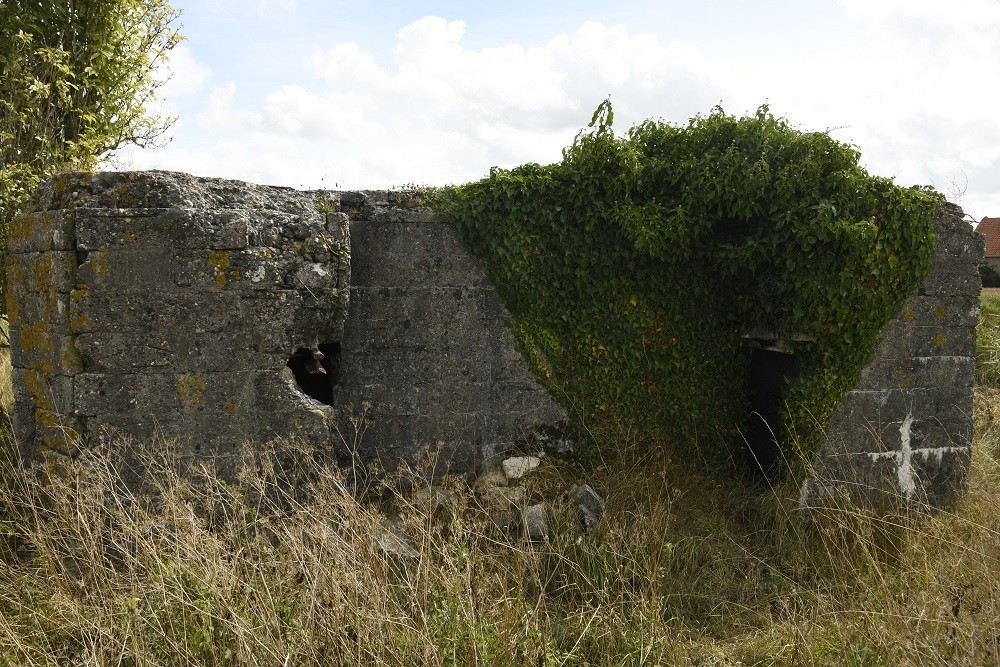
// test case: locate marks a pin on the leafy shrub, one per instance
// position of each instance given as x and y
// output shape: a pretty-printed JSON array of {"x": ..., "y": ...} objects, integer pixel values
[{"x": 634, "y": 267}]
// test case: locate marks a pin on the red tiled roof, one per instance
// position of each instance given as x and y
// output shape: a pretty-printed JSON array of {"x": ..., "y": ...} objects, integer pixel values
[{"x": 990, "y": 228}]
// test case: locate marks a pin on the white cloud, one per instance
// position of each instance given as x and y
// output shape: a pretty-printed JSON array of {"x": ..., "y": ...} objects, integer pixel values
[
  {"x": 911, "y": 87},
  {"x": 935, "y": 117},
  {"x": 440, "y": 112},
  {"x": 185, "y": 75},
  {"x": 955, "y": 14}
]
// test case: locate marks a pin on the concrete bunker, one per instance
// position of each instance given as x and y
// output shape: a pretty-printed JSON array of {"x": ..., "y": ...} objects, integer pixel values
[
  {"x": 158, "y": 304},
  {"x": 212, "y": 313}
]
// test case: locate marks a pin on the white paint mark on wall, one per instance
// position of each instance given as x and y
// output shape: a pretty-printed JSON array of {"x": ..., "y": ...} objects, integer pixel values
[
  {"x": 904, "y": 471},
  {"x": 904, "y": 475}
]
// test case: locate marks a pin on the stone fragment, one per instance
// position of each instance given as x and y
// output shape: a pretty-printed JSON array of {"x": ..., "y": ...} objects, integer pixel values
[
  {"x": 589, "y": 505},
  {"x": 505, "y": 506},
  {"x": 536, "y": 522},
  {"x": 394, "y": 542},
  {"x": 554, "y": 440},
  {"x": 489, "y": 480},
  {"x": 504, "y": 498},
  {"x": 434, "y": 501},
  {"x": 517, "y": 467}
]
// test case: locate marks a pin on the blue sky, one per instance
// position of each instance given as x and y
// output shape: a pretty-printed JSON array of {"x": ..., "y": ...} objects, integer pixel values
[{"x": 351, "y": 94}]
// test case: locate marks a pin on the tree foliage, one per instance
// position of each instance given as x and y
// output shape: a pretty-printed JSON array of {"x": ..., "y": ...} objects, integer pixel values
[
  {"x": 77, "y": 81},
  {"x": 634, "y": 267}
]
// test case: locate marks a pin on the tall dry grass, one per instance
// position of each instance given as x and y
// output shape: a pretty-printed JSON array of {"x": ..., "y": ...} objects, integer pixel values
[{"x": 284, "y": 567}]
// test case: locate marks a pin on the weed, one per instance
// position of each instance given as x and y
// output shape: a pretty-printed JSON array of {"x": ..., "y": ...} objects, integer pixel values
[{"x": 283, "y": 566}]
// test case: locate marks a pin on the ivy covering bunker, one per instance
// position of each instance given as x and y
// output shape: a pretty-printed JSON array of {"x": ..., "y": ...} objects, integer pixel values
[{"x": 635, "y": 268}]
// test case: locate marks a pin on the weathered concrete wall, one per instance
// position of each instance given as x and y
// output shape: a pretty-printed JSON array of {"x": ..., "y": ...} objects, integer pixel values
[
  {"x": 428, "y": 354},
  {"x": 905, "y": 431},
  {"x": 159, "y": 304},
  {"x": 162, "y": 304}
]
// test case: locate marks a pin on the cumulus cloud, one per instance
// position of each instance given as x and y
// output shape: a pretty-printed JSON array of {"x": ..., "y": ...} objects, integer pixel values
[
  {"x": 183, "y": 74},
  {"x": 910, "y": 89},
  {"x": 934, "y": 118},
  {"x": 435, "y": 111}
]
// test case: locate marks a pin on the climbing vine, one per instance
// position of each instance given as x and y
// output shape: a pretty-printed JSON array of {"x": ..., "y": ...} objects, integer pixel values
[{"x": 634, "y": 267}]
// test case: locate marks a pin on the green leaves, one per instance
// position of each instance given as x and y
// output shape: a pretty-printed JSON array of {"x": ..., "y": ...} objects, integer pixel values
[
  {"x": 643, "y": 260},
  {"x": 75, "y": 82}
]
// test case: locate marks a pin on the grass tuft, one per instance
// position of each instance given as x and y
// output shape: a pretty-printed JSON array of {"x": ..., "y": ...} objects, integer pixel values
[{"x": 286, "y": 566}]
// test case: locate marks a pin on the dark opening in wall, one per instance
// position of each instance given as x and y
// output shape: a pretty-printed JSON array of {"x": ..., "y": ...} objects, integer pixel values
[
  {"x": 317, "y": 370},
  {"x": 770, "y": 369}
]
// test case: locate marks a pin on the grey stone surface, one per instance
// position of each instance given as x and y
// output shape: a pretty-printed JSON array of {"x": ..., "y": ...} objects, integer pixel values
[
  {"x": 159, "y": 305},
  {"x": 589, "y": 506},
  {"x": 536, "y": 522},
  {"x": 427, "y": 353},
  {"x": 517, "y": 467},
  {"x": 393, "y": 541},
  {"x": 903, "y": 435}
]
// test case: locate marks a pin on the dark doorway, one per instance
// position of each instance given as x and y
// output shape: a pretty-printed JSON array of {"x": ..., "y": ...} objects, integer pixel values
[
  {"x": 770, "y": 369},
  {"x": 317, "y": 370}
]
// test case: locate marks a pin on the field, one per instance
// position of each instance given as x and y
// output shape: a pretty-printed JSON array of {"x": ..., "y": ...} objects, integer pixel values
[{"x": 284, "y": 567}]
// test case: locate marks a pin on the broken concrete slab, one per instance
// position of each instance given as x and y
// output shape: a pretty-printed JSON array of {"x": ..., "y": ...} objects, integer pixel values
[
  {"x": 517, "y": 467},
  {"x": 537, "y": 526},
  {"x": 589, "y": 506}
]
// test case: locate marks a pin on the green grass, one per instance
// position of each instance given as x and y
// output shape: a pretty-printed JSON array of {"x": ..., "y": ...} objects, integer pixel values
[
  {"x": 988, "y": 342},
  {"x": 282, "y": 567}
]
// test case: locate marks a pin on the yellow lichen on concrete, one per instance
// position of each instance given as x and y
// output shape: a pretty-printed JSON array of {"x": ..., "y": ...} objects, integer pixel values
[
  {"x": 191, "y": 387},
  {"x": 81, "y": 292},
  {"x": 43, "y": 270},
  {"x": 70, "y": 360},
  {"x": 37, "y": 386},
  {"x": 21, "y": 228},
  {"x": 939, "y": 311},
  {"x": 939, "y": 341},
  {"x": 15, "y": 276},
  {"x": 220, "y": 260},
  {"x": 230, "y": 407},
  {"x": 100, "y": 262},
  {"x": 35, "y": 337},
  {"x": 60, "y": 185},
  {"x": 81, "y": 324}
]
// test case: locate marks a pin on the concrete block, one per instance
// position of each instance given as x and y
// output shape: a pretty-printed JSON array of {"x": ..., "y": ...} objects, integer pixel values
[{"x": 42, "y": 231}]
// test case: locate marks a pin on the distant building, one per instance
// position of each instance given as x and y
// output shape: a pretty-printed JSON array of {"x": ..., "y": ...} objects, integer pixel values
[{"x": 990, "y": 228}]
